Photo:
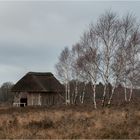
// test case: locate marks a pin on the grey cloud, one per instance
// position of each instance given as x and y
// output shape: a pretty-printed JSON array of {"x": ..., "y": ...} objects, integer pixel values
[{"x": 32, "y": 34}]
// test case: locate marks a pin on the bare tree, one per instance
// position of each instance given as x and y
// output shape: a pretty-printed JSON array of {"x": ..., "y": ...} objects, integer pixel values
[
  {"x": 107, "y": 30},
  {"x": 88, "y": 62},
  {"x": 5, "y": 92},
  {"x": 117, "y": 69},
  {"x": 82, "y": 95},
  {"x": 63, "y": 69},
  {"x": 133, "y": 52},
  {"x": 125, "y": 58},
  {"x": 129, "y": 40},
  {"x": 76, "y": 52},
  {"x": 107, "y": 51}
]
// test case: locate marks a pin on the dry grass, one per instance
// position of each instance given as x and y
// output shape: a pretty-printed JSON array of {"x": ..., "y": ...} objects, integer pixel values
[{"x": 70, "y": 122}]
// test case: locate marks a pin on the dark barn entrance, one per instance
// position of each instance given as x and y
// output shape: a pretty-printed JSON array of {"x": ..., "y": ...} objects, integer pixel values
[{"x": 23, "y": 102}]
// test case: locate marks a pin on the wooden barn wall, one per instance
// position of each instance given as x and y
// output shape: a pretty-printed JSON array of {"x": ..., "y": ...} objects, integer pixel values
[
  {"x": 19, "y": 95},
  {"x": 44, "y": 99},
  {"x": 41, "y": 99}
]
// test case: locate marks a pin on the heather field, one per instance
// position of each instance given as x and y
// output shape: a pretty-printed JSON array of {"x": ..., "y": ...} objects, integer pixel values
[{"x": 73, "y": 122}]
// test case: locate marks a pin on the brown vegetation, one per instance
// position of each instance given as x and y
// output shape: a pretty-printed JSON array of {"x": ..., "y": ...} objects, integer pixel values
[{"x": 70, "y": 122}]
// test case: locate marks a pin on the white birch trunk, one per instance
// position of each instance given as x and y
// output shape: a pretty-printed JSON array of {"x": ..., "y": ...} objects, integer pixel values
[
  {"x": 111, "y": 96},
  {"x": 83, "y": 94},
  {"x": 94, "y": 96},
  {"x": 76, "y": 92},
  {"x": 131, "y": 92},
  {"x": 68, "y": 99},
  {"x": 66, "y": 93},
  {"x": 125, "y": 94},
  {"x": 72, "y": 98}
]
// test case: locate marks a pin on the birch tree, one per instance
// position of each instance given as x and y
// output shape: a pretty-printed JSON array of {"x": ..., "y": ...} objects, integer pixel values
[
  {"x": 78, "y": 74},
  {"x": 118, "y": 69},
  {"x": 129, "y": 40},
  {"x": 89, "y": 61},
  {"x": 76, "y": 52},
  {"x": 107, "y": 30},
  {"x": 109, "y": 51},
  {"x": 133, "y": 52},
  {"x": 63, "y": 70}
]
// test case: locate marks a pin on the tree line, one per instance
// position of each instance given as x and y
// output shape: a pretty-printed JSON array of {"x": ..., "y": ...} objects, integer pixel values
[
  {"x": 6, "y": 96},
  {"x": 108, "y": 52}
]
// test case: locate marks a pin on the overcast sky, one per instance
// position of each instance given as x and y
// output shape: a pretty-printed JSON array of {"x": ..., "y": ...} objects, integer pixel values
[{"x": 32, "y": 34}]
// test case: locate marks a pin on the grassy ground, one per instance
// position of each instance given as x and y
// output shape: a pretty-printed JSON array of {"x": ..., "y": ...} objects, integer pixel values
[{"x": 71, "y": 122}]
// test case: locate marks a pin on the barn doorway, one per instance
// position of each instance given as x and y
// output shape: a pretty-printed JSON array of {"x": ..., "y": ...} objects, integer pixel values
[{"x": 23, "y": 102}]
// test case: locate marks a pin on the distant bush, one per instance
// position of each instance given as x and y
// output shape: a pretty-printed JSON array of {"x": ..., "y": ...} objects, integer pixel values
[{"x": 6, "y": 95}]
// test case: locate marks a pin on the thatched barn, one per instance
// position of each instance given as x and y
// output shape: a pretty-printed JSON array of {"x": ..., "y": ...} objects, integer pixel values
[{"x": 38, "y": 89}]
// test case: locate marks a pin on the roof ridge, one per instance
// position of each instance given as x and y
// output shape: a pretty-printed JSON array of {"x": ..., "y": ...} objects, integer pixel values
[{"x": 41, "y": 73}]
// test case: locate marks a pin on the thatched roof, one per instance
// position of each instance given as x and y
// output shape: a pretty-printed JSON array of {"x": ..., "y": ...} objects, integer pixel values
[{"x": 38, "y": 82}]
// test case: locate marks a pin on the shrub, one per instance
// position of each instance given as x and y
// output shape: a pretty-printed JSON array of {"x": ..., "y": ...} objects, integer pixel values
[{"x": 43, "y": 124}]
